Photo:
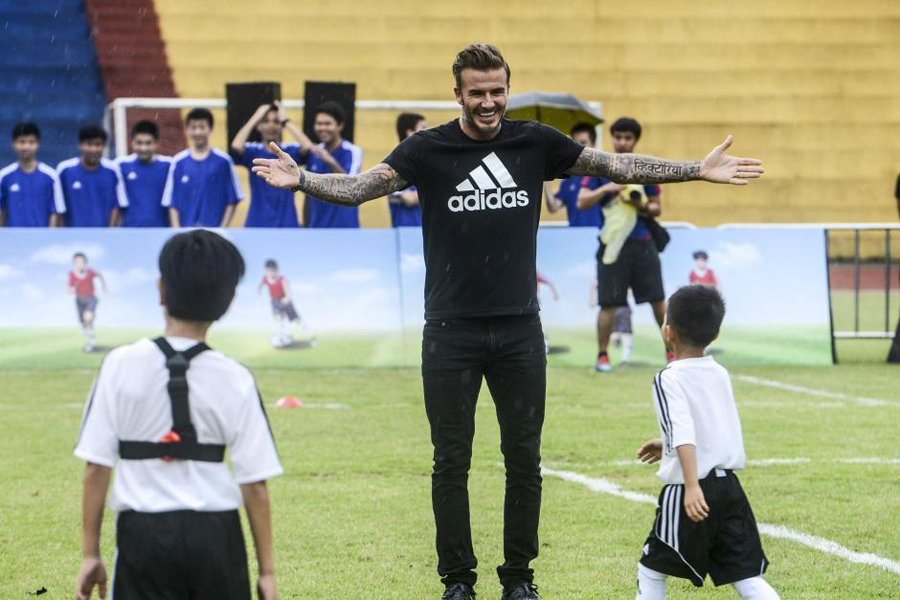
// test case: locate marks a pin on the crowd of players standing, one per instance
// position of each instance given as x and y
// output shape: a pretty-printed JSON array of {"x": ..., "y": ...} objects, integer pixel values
[{"x": 197, "y": 187}]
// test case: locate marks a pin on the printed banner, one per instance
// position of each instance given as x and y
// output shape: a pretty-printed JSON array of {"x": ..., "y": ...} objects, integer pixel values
[{"x": 354, "y": 298}]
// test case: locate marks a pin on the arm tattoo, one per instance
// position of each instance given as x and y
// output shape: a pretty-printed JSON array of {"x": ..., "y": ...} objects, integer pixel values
[
  {"x": 634, "y": 168},
  {"x": 351, "y": 190}
]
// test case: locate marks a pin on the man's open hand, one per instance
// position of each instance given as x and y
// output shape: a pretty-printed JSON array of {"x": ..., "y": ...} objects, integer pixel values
[
  {"x": 719, "y": 167},
  {"x": 281, "y": 172}
]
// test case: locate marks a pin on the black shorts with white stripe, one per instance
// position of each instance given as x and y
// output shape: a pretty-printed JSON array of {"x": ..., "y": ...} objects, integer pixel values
[
  {"x": 725, "y": 545},
  {"x": 180, "y": 554}
]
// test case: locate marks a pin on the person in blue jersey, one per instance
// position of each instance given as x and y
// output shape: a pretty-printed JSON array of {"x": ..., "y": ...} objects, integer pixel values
[
  {"x": 333, "y": 154},
  {"x": 202, "y": 189},
  {"x": 574, "y": 185},
  {"x": 30, "y": 195},
  {"x": 269, "y": 207},
  {"x": 91, "y": 185},
  {"x": 628, "y": 257},
  {"x": 144, "y": 175},
  {"x": 404, "y": 204}
]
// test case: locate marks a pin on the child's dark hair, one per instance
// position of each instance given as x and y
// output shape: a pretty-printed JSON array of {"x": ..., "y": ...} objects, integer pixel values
[
  {"x": 148, "y": 127},
  {"x": 79, "y": 255},
  {"x": 333, "y": 109},
  {"x": 696, "y": 313},
  {"x": 21, "y": 129},
  {"x": 200, "y": 114},
  {"x": 587, "y": 128},
  {"x": 92, "y": 132},
  {"x": 200, "y": 271},
  {"x": 271, "y": 264},
  {"x": 407, "y": 122},
  {"x": 626, "y": 125},
  {"x": 701, "y": 254}
]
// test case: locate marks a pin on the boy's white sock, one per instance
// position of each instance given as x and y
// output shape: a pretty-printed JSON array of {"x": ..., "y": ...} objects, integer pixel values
[
  {"x": 627, "y": 344},
  {"x": 755, "y": 588},
  {"x": 651, "y": 584}
]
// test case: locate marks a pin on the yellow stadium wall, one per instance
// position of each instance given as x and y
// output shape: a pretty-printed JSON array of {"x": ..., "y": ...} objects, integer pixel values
[{"x": 811, "y": 87}]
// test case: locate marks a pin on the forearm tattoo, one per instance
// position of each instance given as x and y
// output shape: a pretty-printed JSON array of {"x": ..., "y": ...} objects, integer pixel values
[
  {"x": 634, "y": 168},
  {"x": 351, "y": 190}
]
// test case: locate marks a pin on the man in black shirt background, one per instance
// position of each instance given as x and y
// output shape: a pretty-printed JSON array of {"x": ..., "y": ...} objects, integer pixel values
[{"x": 479, "y": 180}]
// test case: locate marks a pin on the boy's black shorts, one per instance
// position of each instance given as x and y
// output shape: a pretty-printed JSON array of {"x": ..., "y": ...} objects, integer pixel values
[
  {"x": 638, "y": 268},
  {"x": 725, "y": 545},
  {"x": 180, "y": 554}
]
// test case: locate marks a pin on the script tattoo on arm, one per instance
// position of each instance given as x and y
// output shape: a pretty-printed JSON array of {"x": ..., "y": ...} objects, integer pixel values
[
  {"x": 634, "y": 168},
  {"x": 352, "y": 190}
]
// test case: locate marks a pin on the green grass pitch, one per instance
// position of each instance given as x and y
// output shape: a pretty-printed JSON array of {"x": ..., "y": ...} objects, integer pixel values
[{"x": 352, "y": 514}]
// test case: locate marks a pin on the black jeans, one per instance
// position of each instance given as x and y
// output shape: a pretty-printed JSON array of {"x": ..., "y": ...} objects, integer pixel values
[{"x": 508, "y": 352}]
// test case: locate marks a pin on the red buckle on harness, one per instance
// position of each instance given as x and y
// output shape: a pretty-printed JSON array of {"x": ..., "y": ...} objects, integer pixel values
[{"x": 170, "y": 438}]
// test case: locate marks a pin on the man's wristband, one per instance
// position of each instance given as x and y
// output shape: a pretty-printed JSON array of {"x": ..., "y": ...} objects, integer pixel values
[{"x": 300, "y": 179}]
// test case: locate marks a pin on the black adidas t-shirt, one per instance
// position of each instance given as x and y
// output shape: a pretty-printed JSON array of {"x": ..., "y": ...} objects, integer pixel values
[{"x": 481, "y": 203}]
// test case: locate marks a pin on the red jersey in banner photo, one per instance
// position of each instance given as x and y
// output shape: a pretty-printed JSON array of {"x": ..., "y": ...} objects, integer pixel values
[
  {"x": 276, "y": 286},
  {"x": 705, "y": 278},
  {"x": 83, "y": 283}
]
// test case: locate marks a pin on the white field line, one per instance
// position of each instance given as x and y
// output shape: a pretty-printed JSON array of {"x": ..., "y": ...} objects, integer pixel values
[
  {"x": 799, "y": 389},
  {"x": 763, "y": 462},
  {"x": 605, "y": 486}
]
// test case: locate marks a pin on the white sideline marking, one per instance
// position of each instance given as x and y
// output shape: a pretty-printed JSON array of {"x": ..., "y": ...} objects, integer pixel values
[
  {"x": 779, "y": 531},
  {"x": 763, "y": 462},
  {"x": 812, "y": 392}
]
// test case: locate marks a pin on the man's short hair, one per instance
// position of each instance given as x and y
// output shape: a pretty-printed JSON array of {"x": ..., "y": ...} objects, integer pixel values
[
  {"x": 200, "y": 114},
  {"x": 407, "y": 122},
  {"x": 696, "y": 313},
  {"x": 92, "y": 132},
  {"x": 333, "y": 109},
  {"x": 701, "y": 254},
  {"x": 79, "y": 255},
  {"x": 481, "y": 57},
  {"x": 587, "y": 128},
  {"x": 200, "y": 271},
  {"x": 21, "y": 129},
  {"x": 271, "y": 264},
  {"x": 626, "y": 125},
  {"x": 148, "y": 127}
]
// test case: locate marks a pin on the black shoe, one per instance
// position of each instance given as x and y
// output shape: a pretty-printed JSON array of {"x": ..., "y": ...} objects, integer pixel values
[
  {"x": 521, "y": 591},
  {"x": 458, "y": 591}
]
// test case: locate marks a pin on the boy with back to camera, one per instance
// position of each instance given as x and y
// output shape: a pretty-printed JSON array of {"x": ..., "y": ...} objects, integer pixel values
[
  {"x": 162, "y": 413},
  {"x": 704, "y": 523}
]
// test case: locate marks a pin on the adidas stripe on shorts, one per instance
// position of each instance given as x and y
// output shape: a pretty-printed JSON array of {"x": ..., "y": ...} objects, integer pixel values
[{"x": 725, "y": 545}]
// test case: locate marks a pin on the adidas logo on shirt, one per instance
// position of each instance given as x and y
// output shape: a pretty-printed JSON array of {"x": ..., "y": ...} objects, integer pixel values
[{"x": 486, "y": 184}]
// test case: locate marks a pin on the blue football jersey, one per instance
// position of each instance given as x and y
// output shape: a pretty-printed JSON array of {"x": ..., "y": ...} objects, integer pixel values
[
  {"x": 324, "y": 214},
  {"x": 402, "y": 215},
  {"x": 29, "y": 199},
  {"x": 200, "y": 190},
  {"x": 144, "y": 184},
  {"x": 568, "y": 195},
  {"x": 269, "y": 206},
  {"x": 90, "y": 194}
]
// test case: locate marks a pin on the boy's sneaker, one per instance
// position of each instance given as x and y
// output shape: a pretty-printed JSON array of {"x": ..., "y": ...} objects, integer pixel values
[
  {"x": 522, "y": 591},
  {"x": 458, "y": 591},
  {"x": 603, "y": 365}
]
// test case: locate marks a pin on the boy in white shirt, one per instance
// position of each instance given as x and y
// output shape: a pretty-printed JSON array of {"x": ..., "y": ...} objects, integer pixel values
[
  {"x": 704, "y": 524},
  {"x": 162, "y": 413}
]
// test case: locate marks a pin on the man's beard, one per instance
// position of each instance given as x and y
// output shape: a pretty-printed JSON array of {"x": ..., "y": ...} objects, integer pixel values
[{"x": 471, "y": 118}]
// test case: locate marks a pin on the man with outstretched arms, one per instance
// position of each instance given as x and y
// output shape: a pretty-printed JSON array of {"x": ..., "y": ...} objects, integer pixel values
[{"x": 480, "y": 179}]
